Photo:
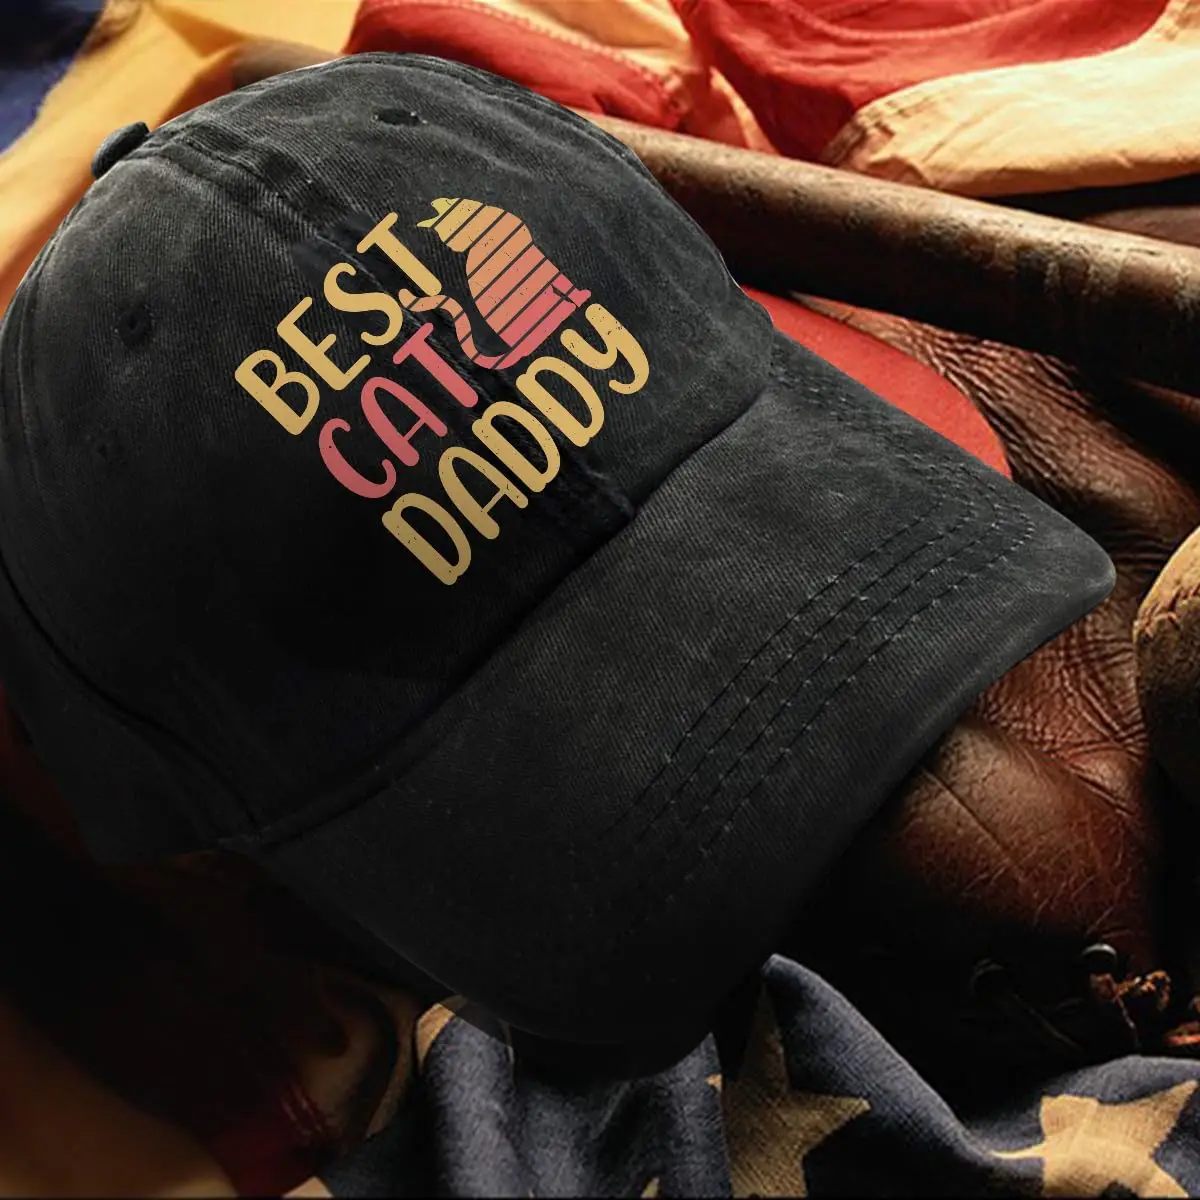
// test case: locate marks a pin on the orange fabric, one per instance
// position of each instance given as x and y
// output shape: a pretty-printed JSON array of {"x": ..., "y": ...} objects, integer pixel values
[
  {"x": 1124, "y": 117},
  {"x": 806, "y": 67},
  {"x": 970, "y": 96},
  {"x": 145, "y": 60},
  {"x": 887, "y": 371},
  {"x": 628, "y": 58}
]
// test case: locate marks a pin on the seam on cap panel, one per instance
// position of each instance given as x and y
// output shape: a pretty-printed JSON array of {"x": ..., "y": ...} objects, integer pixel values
[
  {"x": 16, "y": 325},
  {"x": 589, "y": 489},
  {"x": 565, "y": 940},
  {"x": 988, "y": 491},
  {"x": 65, "y": 647}
]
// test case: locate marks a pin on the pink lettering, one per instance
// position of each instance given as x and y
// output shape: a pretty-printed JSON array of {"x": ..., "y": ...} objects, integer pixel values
[
  {"x": 344, "y": 473},
  {"x": 417, "y": 346},
  {"x": 400, "y": 444}
]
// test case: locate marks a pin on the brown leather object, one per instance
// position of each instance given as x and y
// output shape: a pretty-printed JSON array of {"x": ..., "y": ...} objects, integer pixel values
[
  {"x": 1167, "y": 637},
  {"x": 1168, "y": 210},
  {"x": 1041, "y": 826},
  {"x": 1114, "y": 300}
]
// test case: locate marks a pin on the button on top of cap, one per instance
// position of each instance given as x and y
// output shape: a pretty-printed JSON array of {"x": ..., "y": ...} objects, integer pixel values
[{"x": 117, "y": 145}]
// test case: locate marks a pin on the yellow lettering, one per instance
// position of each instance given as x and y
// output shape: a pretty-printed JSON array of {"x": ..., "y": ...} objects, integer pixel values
[
  {"x": 617, "y": 339},
  {"x": 516, "y": 462},
  {"x": 443, "y": 568},
  {"x": 478, "y": 514},
  {"x": 535, "y": 392},
  {"x": 379, "y": 302},
  {"x": 383, "y": 237},
  {"x": 316, "y": 354},
  {"x": 267, "y": 394}
]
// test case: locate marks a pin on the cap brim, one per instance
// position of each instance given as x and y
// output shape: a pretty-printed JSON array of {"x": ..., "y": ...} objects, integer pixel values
[{"x": 617, "y": 815}]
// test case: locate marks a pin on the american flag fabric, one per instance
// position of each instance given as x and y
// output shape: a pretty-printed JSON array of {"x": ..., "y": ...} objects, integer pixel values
[
  {"x": 818, "y": 1105},
  {"x": 971, "y": 96}
]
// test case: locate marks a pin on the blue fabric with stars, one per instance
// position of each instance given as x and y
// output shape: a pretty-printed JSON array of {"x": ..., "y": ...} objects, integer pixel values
[
  {"x": 819, "y": 1105},
  {"x": 41, "y": 39}
]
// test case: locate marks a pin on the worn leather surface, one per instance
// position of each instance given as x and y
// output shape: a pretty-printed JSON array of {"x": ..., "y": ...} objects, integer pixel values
[
  {"x": 1042, "y": 824},
  {"x": 1167, "y": 640}
]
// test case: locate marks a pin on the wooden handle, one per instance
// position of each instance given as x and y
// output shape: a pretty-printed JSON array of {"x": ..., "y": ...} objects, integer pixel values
[
  {"x": 1166, "y": 635},
  {"x": 1117, "y": 301}
]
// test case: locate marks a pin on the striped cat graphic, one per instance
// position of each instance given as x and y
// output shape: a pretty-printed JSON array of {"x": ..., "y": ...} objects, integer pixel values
[{"x": 517, "y": 290}]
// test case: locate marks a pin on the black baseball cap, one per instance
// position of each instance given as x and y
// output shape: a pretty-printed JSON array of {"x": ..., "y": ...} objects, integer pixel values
[{"x": 395, "y": 487}]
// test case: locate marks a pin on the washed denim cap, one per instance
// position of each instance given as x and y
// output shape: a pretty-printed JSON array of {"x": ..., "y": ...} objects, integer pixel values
[{"x": 396, "y": 488}]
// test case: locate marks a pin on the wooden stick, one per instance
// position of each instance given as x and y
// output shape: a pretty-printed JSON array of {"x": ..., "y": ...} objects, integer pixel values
[{"x": 1125, "y": 303}]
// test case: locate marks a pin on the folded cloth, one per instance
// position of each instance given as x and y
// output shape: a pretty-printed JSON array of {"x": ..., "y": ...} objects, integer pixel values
[
  {"x": 973, "y": 97},
  {"x": 92, "y": 67}
]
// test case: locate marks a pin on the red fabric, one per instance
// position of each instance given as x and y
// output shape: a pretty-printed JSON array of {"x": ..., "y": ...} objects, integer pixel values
[
  {"x": 908, "y": 384},
  {"x": 806, "y": 66},
  {"x": 903, "y": 381},
  {"x": 568, "y": 70}
]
